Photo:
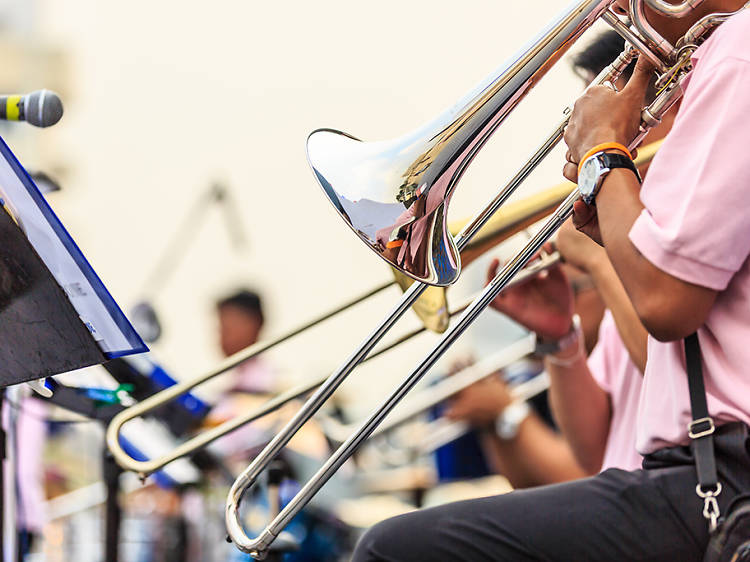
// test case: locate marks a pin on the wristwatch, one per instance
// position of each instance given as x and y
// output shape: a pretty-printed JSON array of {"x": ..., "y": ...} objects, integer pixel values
[
  {"x": 596, "y": 167},
  {"x": 509, "y": 421},
  {"x": 546, "y": 347}
]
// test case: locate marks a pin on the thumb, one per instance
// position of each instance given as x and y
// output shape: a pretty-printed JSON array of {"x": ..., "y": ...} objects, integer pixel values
[
  {"x": 641, "y": 78},
  {"x": 492, "y": 269}
]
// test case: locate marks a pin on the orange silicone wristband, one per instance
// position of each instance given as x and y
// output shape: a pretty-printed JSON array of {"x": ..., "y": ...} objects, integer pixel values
[
  {"x": 604, "y": 146},
  {"x": 394, "y": 244}
]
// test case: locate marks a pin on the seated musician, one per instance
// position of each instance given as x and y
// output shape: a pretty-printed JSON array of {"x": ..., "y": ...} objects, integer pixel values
[
  {"x": 679, "y": 244},
  {"x": 523, "y": 448}
]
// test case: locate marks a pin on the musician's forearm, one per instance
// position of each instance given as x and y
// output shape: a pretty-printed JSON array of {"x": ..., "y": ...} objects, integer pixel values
[
  {"x": 535, "y": 457},
  {"x": 629, "y": 325},
  {"x": 582, "y": 411}
]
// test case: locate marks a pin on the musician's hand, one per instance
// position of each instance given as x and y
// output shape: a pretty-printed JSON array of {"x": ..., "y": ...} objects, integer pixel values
[
  {"x": 481, "y": 403},
  {"x": 603, "y": 115},
  {"x": 543, "y": 304},
  {"x": 585, "y": 220}
]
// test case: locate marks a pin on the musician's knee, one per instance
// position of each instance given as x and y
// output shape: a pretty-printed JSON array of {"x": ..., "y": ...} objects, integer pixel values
[{"x": 374, "y": 544}]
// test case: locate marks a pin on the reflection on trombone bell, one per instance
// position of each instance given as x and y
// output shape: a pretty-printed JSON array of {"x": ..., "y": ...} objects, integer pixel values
[{"x": 345, "y": 168}]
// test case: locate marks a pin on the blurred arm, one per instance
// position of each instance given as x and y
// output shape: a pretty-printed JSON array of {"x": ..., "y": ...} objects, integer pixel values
[{"x": 535, "y": 457}]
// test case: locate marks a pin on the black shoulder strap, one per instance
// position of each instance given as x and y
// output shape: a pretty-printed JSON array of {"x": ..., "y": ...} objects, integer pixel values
[
  {"x": 701, "y": 431},
  {"x": 702, "y": 428}
]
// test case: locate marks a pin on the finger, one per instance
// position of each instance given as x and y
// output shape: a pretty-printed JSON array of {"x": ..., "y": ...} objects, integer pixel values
[
  {"x": 570, "y": 172},
  {"x": 582, "y": 214},
  {"x": 455, "y": 412},
  {"x": 639, "y": 81},
  {"x": 492, "y": 269}
]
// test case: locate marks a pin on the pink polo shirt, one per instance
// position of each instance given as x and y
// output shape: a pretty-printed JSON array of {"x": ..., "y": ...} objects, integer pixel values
[
  {"x": 696, "y": 227},
  {"x": 618, "y": 376}
]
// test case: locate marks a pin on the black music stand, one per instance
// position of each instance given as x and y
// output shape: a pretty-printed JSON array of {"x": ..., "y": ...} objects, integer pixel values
[{"x": 41, "y": 334}]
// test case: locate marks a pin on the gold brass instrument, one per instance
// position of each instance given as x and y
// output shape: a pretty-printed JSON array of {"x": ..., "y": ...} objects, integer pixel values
[
  {"x": 405, "y": 186},
  {"x": 434, "y": 314}
]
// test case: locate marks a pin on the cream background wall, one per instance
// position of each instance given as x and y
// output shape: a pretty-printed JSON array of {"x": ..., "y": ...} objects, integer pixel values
[{"x": 165, "y": 97}]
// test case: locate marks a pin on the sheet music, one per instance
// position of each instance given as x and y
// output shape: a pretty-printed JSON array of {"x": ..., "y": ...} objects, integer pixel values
[{"x": 95, "y": 306}]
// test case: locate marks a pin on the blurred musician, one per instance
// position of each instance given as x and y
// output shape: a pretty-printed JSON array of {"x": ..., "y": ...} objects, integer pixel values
[
  {"x": 241, "y": 319},
  {"x": 240, "y": 322},
  {"x": 679, "y": 244}
]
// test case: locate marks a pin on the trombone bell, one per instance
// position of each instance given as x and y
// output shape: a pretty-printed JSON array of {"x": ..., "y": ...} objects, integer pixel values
[{"x": 386, "y": 194}]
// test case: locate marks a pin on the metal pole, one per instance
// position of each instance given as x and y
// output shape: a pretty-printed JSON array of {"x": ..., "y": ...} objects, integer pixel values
[{"x": 113, "y": 513}]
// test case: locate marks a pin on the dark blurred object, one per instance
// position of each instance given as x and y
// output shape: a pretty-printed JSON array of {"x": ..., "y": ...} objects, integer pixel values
[
  {"x": 146, "y": 322},
  {"x": 44, "y": 182}
]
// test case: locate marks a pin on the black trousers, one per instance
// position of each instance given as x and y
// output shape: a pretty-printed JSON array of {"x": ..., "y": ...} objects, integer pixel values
[{"x": 648, "y": 514}]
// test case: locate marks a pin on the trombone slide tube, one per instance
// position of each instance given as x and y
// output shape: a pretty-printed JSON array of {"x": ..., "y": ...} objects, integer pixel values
[{"x": 257, "y": 547}]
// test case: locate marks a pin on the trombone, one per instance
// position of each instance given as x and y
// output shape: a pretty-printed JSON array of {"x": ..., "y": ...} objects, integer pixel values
[
  {"x": 514, "y": 217},
  {"x": 416, "y": 241}
]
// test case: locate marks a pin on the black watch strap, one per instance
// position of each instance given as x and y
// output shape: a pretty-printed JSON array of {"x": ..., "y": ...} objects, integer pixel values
[{"x": 614, "y": 160}]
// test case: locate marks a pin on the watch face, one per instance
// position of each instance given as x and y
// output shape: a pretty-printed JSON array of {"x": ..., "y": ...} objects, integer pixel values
[{"x": 589, "y": 177}]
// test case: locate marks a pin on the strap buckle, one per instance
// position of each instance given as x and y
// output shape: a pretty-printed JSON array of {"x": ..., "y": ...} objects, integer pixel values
[
  {"x": 710, "y": 505},
  {"x": 701, "y": 427}
]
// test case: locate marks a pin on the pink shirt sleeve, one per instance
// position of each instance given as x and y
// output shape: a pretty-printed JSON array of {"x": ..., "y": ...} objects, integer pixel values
[
  {"x": 597, "y": 361},
  {"x": 701, "y": 170}
]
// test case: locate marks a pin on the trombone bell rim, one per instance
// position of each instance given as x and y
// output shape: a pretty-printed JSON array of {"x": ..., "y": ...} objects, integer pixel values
[{"x": 406, "y": 230}]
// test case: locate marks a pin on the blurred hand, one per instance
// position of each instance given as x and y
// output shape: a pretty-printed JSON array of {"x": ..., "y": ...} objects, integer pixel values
[
  {"x": 577, "y": 249},
  {"x": 543, "y": 304},
  {"x": 481, "y": 403}
]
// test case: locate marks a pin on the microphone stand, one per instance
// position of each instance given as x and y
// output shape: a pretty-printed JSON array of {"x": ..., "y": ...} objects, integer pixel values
[
  {"x": 113, "y": 511},
  {"x": 182, "y": 239}
]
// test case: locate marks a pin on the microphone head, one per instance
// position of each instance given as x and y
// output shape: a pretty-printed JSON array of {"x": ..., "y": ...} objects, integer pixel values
[{"x": 43, "y": 108}]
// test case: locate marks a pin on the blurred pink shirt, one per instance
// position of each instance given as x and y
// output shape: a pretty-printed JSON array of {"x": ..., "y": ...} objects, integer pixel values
[
  {"x": 618, "y": 376},
  {"x": 696, "y": 227}
]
